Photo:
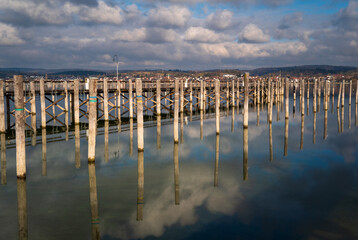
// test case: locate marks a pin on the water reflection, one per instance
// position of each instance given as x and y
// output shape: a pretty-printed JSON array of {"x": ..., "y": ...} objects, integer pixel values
[
  {"x": 176, "y": 173},
  {"x": 93, "y": 200},
  {"x": 77, "y": 146},
  {"x": 140, "y": 187},
  {"x": 44, "y": 152},
  {"x": 216, "y": 172},
  {"x": 3, "y": 158},
  {"x": 245, "y": 154},
  {"x": 22, "y": 209}
]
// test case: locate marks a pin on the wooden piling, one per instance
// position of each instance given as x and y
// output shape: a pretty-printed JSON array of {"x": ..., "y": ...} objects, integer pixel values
[
  {"x": 356, "y": 92},
  {"x": 233, "y": 93},
  {"x": 20, "y": 127},
  {"x": 92, "y": 120},
  {"x": 217, "y": 105},
  {"x": 176, "y": 111},
  {"x": 76, "y": 101},
  {"x": 350, "y": 92},
  {"x": 77, "y": 146},
  {"x": 43, "y": 104},
  {"x": 315, "y": 96},
  {"x": 130, "y": 97},
  {"x": 181, "y": 95},
  {"x": 105, "y": 99},
  {"x": 343, "y": 94},
  {"x": 2, "y": 111},
  {"x": 159, "y": 97},
  {"x": 246, "y": 100},
  {"x": 201, "y": 95},
  {"x": 140, "y": 126},
  {"x": 33, "y": 98},
  {"x": 339, "y": 95},
  {"x": 119, "y": 98}
]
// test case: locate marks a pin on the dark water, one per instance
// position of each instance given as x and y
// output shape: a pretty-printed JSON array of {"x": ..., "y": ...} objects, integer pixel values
[{"x": 312, "y": 193}]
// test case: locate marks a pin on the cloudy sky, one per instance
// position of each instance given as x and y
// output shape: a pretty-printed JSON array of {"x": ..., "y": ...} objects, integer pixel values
[{"x": 184, "y": 34}]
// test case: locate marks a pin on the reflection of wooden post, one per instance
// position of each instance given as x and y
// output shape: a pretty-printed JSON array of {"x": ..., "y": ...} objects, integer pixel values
[
  {"x": 232, "y": 119},
  {"x": 130, "y": 137},
  {"x": 130, "y": 93},
  {"x": 140, "y": 132},
  {"x": 246, "y": 100},
  {"x": 217, "y": 105},
  {"x": 77, "y": 146},
  {"x": 93, "y": 200},
  {"x": 140, "y": 189},
  {"x": 106, "y": 157},
  {"x": 356, "y": 115},
  {"x": 245, "y": 154},
  {"x": 342, "y": 126},
  {"x": 92, "y": 119},
  {"x": 176, "y": 111},
  {"x": 201, "y": 125},
  {"x": 20, "y": 127},
  {"x": 176, "y": 174},
  {"x": 270, "y": 141},
  {"x": 217, "y": 148},
  {"x": 3, "y": 158},
  {"x": 43, "y": 104},
  {"x": 105, "y": 98},
  {"x": 44, "y": 152},
  {"x": 314, "y": 127},
  {"x": 159, "y": 124},
  {"x": 349, "y": 116},
  {"x": 2, "y": 106},
  {"x": 22, "y": 209},
  {"x": 76, "y": 101},
  {"x": 159, "y": 97},
  {"x": 286, "y": 137},
  {"x": 181, "y": 127},
  {"x": 302, "y": 129},
  {"x": 325, "y": 124}
]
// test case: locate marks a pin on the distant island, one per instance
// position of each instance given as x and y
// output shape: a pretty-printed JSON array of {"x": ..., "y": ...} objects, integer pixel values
[{"x": 295, "y": 71}]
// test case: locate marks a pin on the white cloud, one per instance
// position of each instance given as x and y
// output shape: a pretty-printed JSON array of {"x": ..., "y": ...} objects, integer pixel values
[
  {"x": 221, "y": 19},
  {"x": 173, "y": 16},
  {"x": 9, "y": 35},
  {"x": 103, "y": 13},
  {"x": 253, "y": 34},
  {"x": 151, "y": 35},
  {"x": 199, "y": 34}
]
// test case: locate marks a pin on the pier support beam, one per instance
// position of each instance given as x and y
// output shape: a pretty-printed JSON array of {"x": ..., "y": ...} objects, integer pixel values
[
  {"x": 20, "y": 127},
  {"x": 246, "y": 100},
  {"x": 2, "y": 106},
  {"x": 76, "y": 101},
  {"x": 140, "y": 137},
  {"x": 217, "y": 105},
  {"x": 92, "y": 120},
  {"x": 176, "y": 111}
]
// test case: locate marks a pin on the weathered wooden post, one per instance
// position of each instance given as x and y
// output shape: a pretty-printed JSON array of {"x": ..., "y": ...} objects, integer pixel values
[
  {"x": 343, "y": 94},
  {"x": 43, "y": 104},
  {"x": 105, "y": 98},
  {"x": 217, "y": 105},
  {"x": 119, "y": 98},
  {"x": 339, "y": 95},
  {"x": 350, "y": 92},
  {"x": 76, "y": 101},
  {"x": 53, "y": 90},
  {"x": 201, "y": 95},
  {"x": 33, "y": 98},
  {"x": 176, "y": 111},
  {"x": 176, "y": 174},
  {"x": 201, "y": 125},
  {"x": 216, "y": 172},
  {"x": 356, "y": 92},
  {"x": 181, "y": 95},
  {"x": 315, "y": 96},
  {"x": 233, "y": 93},
  {"x": 130, "y": 96},
  {"x": 287, "y": 99},
  {"x": 303, "y": 97},
  {"x": 3, "y": 158},
  {"x": 22, "y": 209},
  {"x": 325, "y": 110},
  {"x": 294, "y": 99},
  {"x": 140, "y": 126},
  {"x": 245, "y": 154},
  {"x": 20, "y": 127},
  {"x": 246, "y": 100},
  {"x": 349, "y": 116},
  {"x": 308, "y": 97},
  {"x": 159, "y": 97},
  {"x": 140, "y": 188},
  {"x": 2, "y": 111},
  {"x": 92, "y": 120}
]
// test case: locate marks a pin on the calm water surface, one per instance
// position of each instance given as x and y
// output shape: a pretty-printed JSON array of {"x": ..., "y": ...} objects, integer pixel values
[{"x": 312, "y": 193}]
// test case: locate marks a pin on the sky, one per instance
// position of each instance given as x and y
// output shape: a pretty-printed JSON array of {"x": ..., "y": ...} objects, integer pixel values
[{"x": 177, "y": 34}]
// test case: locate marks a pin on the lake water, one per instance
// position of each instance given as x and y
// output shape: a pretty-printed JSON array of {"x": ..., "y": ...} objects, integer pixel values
[{"x": 312, "y": 193}]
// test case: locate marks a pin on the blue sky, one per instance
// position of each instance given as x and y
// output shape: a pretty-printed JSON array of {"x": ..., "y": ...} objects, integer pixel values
[{"x": 183, "y": 34}]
